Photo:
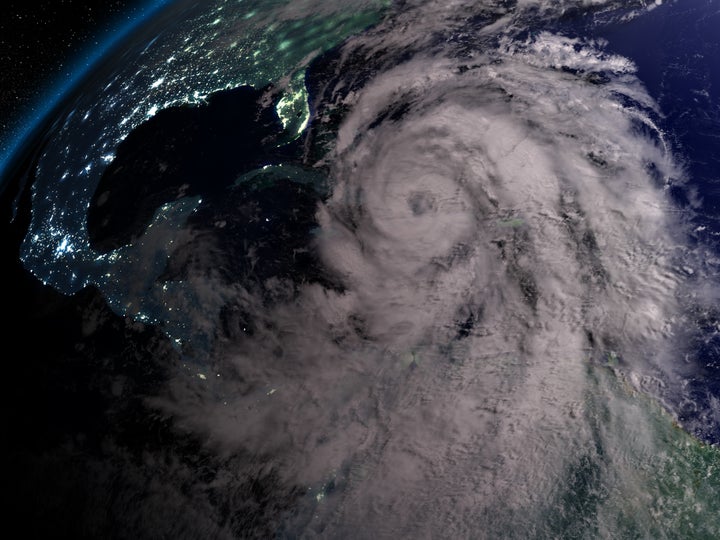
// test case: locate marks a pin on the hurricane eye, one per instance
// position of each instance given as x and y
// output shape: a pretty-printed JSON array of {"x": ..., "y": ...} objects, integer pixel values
[{"x": 421, "y": 202}]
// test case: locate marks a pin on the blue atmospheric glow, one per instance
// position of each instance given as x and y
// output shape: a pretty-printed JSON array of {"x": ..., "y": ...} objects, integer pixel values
[{"x": 42, "y": 106}]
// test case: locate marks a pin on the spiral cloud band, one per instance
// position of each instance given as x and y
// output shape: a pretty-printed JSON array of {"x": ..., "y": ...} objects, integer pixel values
[
  {"x": 511, "y": 216},
  {"x": 501, "y": 232}
]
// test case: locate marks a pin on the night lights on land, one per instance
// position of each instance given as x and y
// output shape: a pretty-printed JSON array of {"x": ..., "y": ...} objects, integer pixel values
[{"x": 174, "y": 69}]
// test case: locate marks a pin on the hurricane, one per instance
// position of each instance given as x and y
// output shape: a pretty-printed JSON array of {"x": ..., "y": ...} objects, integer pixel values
[
  {"x": 456, "y": 298},
  {"x": 511, "y": 293}
]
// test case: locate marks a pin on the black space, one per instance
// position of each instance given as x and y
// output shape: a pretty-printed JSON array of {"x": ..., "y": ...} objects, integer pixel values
[{"x": 43, "y": 41}]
